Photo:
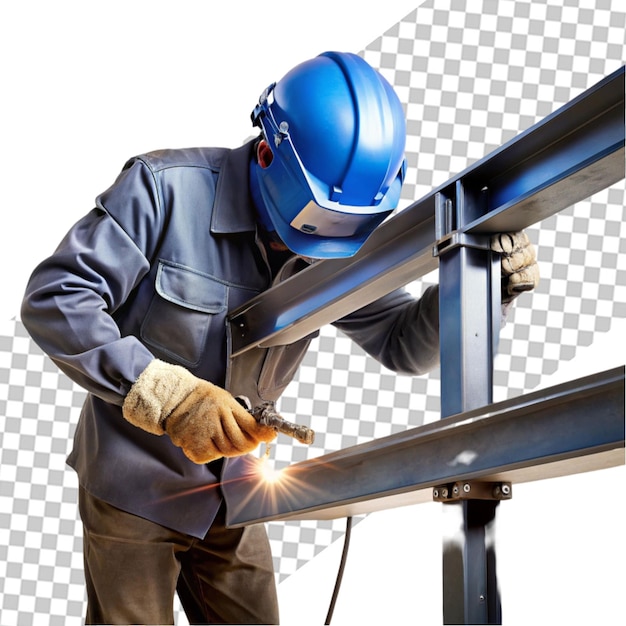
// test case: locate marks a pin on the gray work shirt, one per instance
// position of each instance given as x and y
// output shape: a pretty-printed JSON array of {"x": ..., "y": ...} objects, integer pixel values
[{"x": 152, "y": 271}]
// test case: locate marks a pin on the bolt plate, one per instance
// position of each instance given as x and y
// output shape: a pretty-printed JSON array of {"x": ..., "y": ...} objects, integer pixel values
[{"x": 472, "y": 490}]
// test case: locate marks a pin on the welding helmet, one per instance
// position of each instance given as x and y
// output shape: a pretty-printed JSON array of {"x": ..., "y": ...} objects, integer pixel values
[{"x": 337, "y": 133}]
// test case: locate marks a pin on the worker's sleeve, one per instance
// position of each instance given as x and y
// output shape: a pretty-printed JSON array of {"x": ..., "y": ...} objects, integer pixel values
[
  {"x": 72, "y": 296},
  {"x": 398, "y": 330}
]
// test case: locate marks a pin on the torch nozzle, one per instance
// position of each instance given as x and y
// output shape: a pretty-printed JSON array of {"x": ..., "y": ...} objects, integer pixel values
[{"x": 267, "y": 415}]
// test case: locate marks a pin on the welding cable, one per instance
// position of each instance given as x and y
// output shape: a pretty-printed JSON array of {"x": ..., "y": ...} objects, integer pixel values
[{"x": 342, "y": 565}]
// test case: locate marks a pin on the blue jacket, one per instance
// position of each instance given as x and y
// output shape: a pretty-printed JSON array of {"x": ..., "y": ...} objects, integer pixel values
[{"x": 152, "y": 271}]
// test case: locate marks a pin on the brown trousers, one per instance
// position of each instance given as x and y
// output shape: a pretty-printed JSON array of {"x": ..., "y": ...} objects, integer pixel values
[{"x": 133, "y": 567}]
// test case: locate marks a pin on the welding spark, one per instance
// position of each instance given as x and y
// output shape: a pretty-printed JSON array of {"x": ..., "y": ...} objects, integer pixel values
[
  {"x": 269, "y": 473},
  {"x": 267, "y": 470}
]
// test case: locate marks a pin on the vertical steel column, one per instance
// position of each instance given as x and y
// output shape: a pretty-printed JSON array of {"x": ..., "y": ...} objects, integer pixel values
[{"x": 469, "y": 300}]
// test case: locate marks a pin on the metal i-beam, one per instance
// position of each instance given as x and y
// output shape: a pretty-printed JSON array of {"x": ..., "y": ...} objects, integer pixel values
[
  {"x": 571, "y": 154},
  {"x": 469, "y": 311},
  {"x": 569, "y": 428}
]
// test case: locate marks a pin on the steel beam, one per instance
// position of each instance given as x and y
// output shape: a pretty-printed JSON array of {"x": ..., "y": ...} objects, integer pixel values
[
  {"x": 471, "y": 559},
  {"x": 574, "y": 427},
  {"x": 469, "y": 310},
  {"x": 571, "y": 154}
]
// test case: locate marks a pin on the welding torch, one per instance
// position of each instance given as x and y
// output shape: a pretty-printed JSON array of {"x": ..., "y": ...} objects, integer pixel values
[{"x": 266, "y": 414}]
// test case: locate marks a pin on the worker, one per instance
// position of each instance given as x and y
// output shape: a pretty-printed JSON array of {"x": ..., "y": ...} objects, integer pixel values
[{"x": 132, "y": 306}]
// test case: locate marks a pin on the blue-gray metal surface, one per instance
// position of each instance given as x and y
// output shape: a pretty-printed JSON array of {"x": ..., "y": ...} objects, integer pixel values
[
  {"x": 472, "y": 562},
  {"x": 572, "y": 427},
  {"x": 469, "y": 306}
]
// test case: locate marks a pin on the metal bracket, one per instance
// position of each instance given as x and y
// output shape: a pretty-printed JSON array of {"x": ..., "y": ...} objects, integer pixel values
[
  {"x": 472, "y": 490},
  {"x": 451, "y": 215},
  {"x": 458, "y": 238}
]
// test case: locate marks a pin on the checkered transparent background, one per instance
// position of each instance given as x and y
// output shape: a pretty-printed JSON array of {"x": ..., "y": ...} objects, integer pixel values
[{"x": 472, "y": 74}]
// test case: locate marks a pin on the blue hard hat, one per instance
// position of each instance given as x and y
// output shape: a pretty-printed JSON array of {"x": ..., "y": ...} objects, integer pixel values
[{"x": 337, "y": 133}]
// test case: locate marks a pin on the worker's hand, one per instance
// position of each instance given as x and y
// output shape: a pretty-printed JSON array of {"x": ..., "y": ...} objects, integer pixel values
[
  {"x": 199, "y": 417},
  {"x": 519, "y": 269}
]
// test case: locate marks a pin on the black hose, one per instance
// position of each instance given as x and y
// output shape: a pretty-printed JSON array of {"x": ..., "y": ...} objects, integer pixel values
[{"x": 342, "y": 565}]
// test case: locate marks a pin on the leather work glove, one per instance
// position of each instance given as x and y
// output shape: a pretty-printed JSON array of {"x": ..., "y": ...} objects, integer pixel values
[
  {"x": 199, "y": 417},
  {"x": 519, "y": 269}
]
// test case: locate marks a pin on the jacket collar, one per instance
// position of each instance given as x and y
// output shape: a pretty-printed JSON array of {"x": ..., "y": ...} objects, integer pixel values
[{"x": 233, "y": 211}]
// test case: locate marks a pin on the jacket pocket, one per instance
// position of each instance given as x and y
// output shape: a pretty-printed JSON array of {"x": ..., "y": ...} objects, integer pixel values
[{"x": 187, "y": 306}]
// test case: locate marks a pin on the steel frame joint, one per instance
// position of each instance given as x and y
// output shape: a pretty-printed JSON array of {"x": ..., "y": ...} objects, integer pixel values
[{"x": 472, "y": 490}]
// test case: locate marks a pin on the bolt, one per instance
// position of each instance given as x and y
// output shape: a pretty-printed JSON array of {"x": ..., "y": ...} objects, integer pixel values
[
  {"x": 444, "y": 492},
  {"x": 467, "y": 487},
  {"x": 506, "y": 490},
  {"x": 436, "y": 493}
]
